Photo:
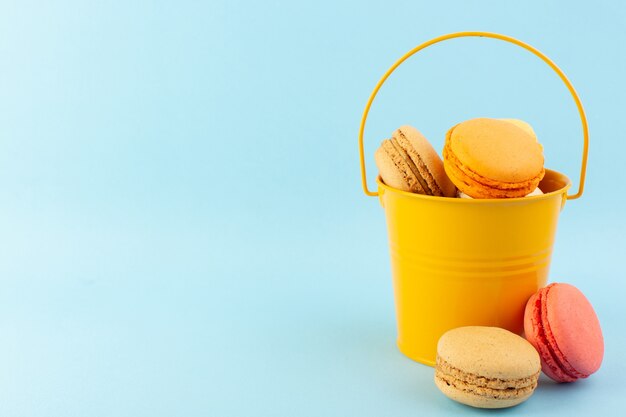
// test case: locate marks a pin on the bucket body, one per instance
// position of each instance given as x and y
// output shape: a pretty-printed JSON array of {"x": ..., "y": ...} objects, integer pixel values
[{"x": 459, "y": 262}]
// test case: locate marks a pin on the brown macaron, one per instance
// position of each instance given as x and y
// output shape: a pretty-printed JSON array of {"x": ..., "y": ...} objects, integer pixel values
[{"x": 409, "y": 162}]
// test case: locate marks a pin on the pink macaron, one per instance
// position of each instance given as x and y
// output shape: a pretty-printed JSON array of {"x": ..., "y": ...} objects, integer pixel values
[{"x": 561, "y": 324}]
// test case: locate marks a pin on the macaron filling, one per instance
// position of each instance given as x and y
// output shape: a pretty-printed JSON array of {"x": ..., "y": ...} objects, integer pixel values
[
  {"x": 546, "y": 336},
  {"x": 429, "y": 181},
  {"x": 476, "y": 185},
  {"x": 482, "y": 386},
  {"x": 553, "y": 361},
  {"x": 409, "y": 179},
  {"x": 411, "y": 163},
  {"x": 549, "y": 361}
]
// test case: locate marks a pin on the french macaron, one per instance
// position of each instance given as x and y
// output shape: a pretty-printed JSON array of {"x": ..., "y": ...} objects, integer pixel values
[
  {"x": 486, "y": 367},
  {"x": 408, "y": 162},
  {"x": 493, "y": 158},
  {"x": 561, "y": 324}
]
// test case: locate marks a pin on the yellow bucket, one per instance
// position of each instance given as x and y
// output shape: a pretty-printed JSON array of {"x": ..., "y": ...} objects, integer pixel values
[{"x": 458, "y": 262}]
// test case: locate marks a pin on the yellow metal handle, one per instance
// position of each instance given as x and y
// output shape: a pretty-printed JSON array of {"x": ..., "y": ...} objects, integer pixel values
[{"x": 568, "y": 84}]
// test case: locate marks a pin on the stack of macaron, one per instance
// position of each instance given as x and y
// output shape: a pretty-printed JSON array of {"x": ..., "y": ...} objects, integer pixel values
[{"x": 482, "y": 158}]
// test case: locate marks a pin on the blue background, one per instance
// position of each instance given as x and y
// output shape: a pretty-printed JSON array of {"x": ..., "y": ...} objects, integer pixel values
[{"x": 183, "y": 231}]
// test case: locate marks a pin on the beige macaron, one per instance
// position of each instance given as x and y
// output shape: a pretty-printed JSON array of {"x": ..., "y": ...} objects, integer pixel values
[
  {"x": 486, "y": 367},
  {"x": 409, "y": 162}
]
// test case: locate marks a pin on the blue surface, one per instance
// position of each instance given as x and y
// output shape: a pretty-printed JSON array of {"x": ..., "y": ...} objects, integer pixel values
[{"x": 182, "y": 227}]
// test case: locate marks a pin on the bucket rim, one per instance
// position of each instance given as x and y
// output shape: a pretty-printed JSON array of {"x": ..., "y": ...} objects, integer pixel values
[{"x": 456, "y": 200}]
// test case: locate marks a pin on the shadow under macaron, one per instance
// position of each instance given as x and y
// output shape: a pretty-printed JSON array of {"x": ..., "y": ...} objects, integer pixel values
[
  {"x": 548, "y": 385},
  {"x": 453, "y": 408}
]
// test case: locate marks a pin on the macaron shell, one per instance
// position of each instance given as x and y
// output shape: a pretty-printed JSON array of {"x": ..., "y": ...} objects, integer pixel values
[
  {"x": 496, "y": 149},
  {"x": 406, "y": 146},
  {"x": 490, "y": 352},
  {"x": 531, "y": 318},
  {"x": 536, "y": 334},
  {"x": 522, "y": 125},
  {"x": 564, "y": 366},
  {"x": 575, "y": 329}
]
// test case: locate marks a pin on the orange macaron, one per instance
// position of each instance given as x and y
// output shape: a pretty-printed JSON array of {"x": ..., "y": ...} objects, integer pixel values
[{"x": 493, "y": 158}]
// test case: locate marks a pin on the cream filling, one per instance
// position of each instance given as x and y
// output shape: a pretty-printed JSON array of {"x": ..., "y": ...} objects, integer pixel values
[
  {"x": 399, "y": 160},
  {"x": 447, "y": 371},
  {"x": 500, "y": 394},
  {"x": 407, "y": 158},
  {"x": 537, "y": 191},
  {"x": 431, "y": 182}
]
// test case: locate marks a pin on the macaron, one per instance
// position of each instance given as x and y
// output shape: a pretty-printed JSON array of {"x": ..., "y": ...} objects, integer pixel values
[
  {"x": 486, "y": 367},
  {"x": 537, "y": 191},
  {"x": 561, "y": 324},
  {"x": 409, "y": 162},
  {"x": 492, "y": 158}
]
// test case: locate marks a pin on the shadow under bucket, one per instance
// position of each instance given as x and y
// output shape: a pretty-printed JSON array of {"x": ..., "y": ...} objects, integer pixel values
[{"x": 459, "y": 262}]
